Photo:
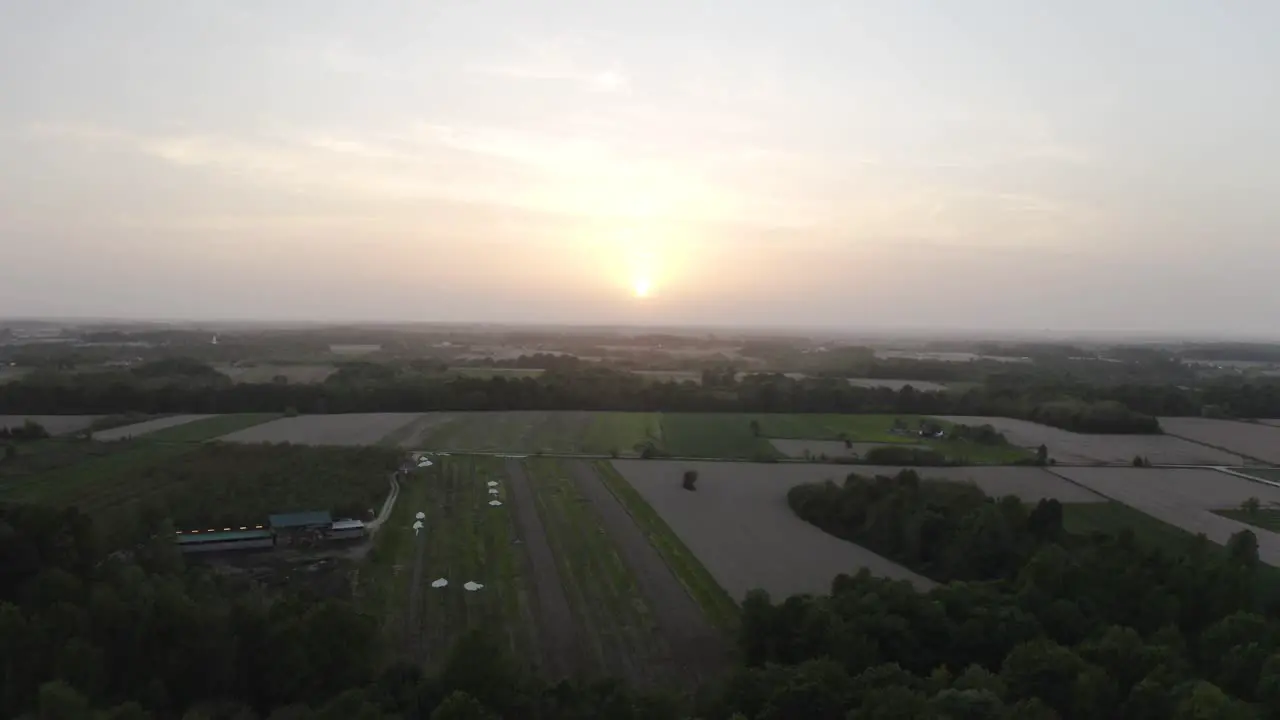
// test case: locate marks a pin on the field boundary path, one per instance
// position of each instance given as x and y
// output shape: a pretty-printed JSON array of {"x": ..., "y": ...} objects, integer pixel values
[
  {"x": 697, "y": 649},
  {"x": 562, "y": 648}
]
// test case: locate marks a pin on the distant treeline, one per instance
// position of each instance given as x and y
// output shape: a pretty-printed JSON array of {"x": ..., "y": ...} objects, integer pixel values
[{"x": 183, "y": 386}]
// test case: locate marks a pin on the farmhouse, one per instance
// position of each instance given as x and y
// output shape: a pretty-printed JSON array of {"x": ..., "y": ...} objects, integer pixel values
[
  {"x": 197, "y": 541},
  {"x": 346, "y": 530}
]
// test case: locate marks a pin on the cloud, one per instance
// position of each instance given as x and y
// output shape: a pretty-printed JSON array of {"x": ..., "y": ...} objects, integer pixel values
[{"x": 552, "y": 62}]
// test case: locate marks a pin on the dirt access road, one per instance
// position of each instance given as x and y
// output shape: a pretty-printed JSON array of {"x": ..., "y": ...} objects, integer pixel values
[
  {"x": 561, "y": 646},
  {"x": 697, "y": 650}
]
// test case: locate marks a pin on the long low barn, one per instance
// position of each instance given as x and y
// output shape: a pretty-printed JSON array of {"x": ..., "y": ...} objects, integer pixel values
[{"x": 226, "y": 540}]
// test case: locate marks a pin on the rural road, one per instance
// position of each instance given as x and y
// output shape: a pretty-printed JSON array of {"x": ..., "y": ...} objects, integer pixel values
[
  {"x": 413, "y": 629},
  {"x": 387, "y": 506},
  {"x": 562, "y": 647},
  {"x": 697, "y": 649}
]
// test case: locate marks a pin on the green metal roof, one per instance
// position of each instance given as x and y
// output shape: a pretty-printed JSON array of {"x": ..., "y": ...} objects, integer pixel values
[
  {"x": 301, "y": 519},
  {"x": 222, "y": 536}
]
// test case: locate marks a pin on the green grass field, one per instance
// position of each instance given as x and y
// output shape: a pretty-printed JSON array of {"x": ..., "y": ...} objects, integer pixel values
[
  {"x": 978, "y": 454},
  {"x": 1109, "y": 518},
  {"x": 822, "y": 426},
  {"x": 1262, "y": 473},
  {"x": 617, "y": 623},
  {"x": 551, "y": 432},
  {"x": 713, "y": 435},
  {"x": 716, "y": 604},
  {"x": 209, "y": 428},
  {"x": 1266, "y": 518}
]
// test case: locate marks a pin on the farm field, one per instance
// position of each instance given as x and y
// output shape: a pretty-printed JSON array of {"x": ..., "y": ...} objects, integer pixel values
[
  {"x": 826, "y": 426},
  {"x": 145, "y": 427},
  {"x": 617, "y": 621},
  {"x": 12, "y": 374},
  {"x": 1081, "y": 449},
  {"x": 569, "y": 432},
  {"x": 1262, "y": 473},
  {"x": 344, "y": 429},
  {"x": 1265, "y": 518},
  {"x": 1109, "y": 518},
  {"x": 209, "y": 427},
  {"x": 55, "y": 424},
  {"x": 716, "y": 605},
  {"x": 1259, "y": 441},
  {"x": 295, "y": 374},
  {"x": 740, "y": 527},
  {"x": 1184, "y": 498},
  {"x": 956, "y": 450},
  {"x": 713, "y": 435}
]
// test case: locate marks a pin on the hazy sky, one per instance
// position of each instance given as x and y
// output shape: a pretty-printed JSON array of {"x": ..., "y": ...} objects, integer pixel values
[{"x": 1065, "y": 165}]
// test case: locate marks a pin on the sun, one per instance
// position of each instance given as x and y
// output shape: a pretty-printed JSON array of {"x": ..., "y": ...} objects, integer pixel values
[{"x": 640, "y": 287}]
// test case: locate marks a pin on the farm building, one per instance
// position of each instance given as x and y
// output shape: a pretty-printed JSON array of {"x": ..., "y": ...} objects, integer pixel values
[
  {"x": 346, "y": 530},
  {"x": 196, "y": 541},
  {"x": 301, "y": 528}
]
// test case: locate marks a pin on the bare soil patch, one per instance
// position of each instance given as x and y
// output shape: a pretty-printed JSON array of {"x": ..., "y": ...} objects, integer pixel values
[
  {"x": 148, "y": 426},
  {"x": 55, "y": 424},
  {"x": 1260, "y": 441},
  {"x": 1083, "y": 449},
  {"x": 1184, "y": 497},
  {"x": 739, "y": 525},
  {"x": 561, "y": 646},
  {"x": 346, "y": 429},
  {"x": 697, "y": 650}
]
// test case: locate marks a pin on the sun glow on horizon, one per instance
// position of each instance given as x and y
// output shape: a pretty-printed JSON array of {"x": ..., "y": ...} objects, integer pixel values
[{"x": 641, "y": 287}]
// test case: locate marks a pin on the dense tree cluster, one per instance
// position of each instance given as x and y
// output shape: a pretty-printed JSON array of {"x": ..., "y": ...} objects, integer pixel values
[
  {"x": 945, "y": 530},
  {"x": 374, "y": 387},
  {"x": 28, "y": 430},
  {"x": 1037, "y": 622}
]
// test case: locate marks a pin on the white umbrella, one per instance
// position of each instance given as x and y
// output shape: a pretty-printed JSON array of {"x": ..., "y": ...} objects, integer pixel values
[
  {"x": 492, "y": 483},
  {"x": 494, "y": 503},
  {"x": 493, "y": 491},
  {"x": 472, "y": 586},
  {"x": 439, "y": 583},
  {"x": 421, "y": 516}
]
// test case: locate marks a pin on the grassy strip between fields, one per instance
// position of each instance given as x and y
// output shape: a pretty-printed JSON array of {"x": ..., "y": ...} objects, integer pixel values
[
  {"x": 1265, "y": 518},
  {"x": 716, "y": 604},
  {"x": 209, "y": 428}
]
